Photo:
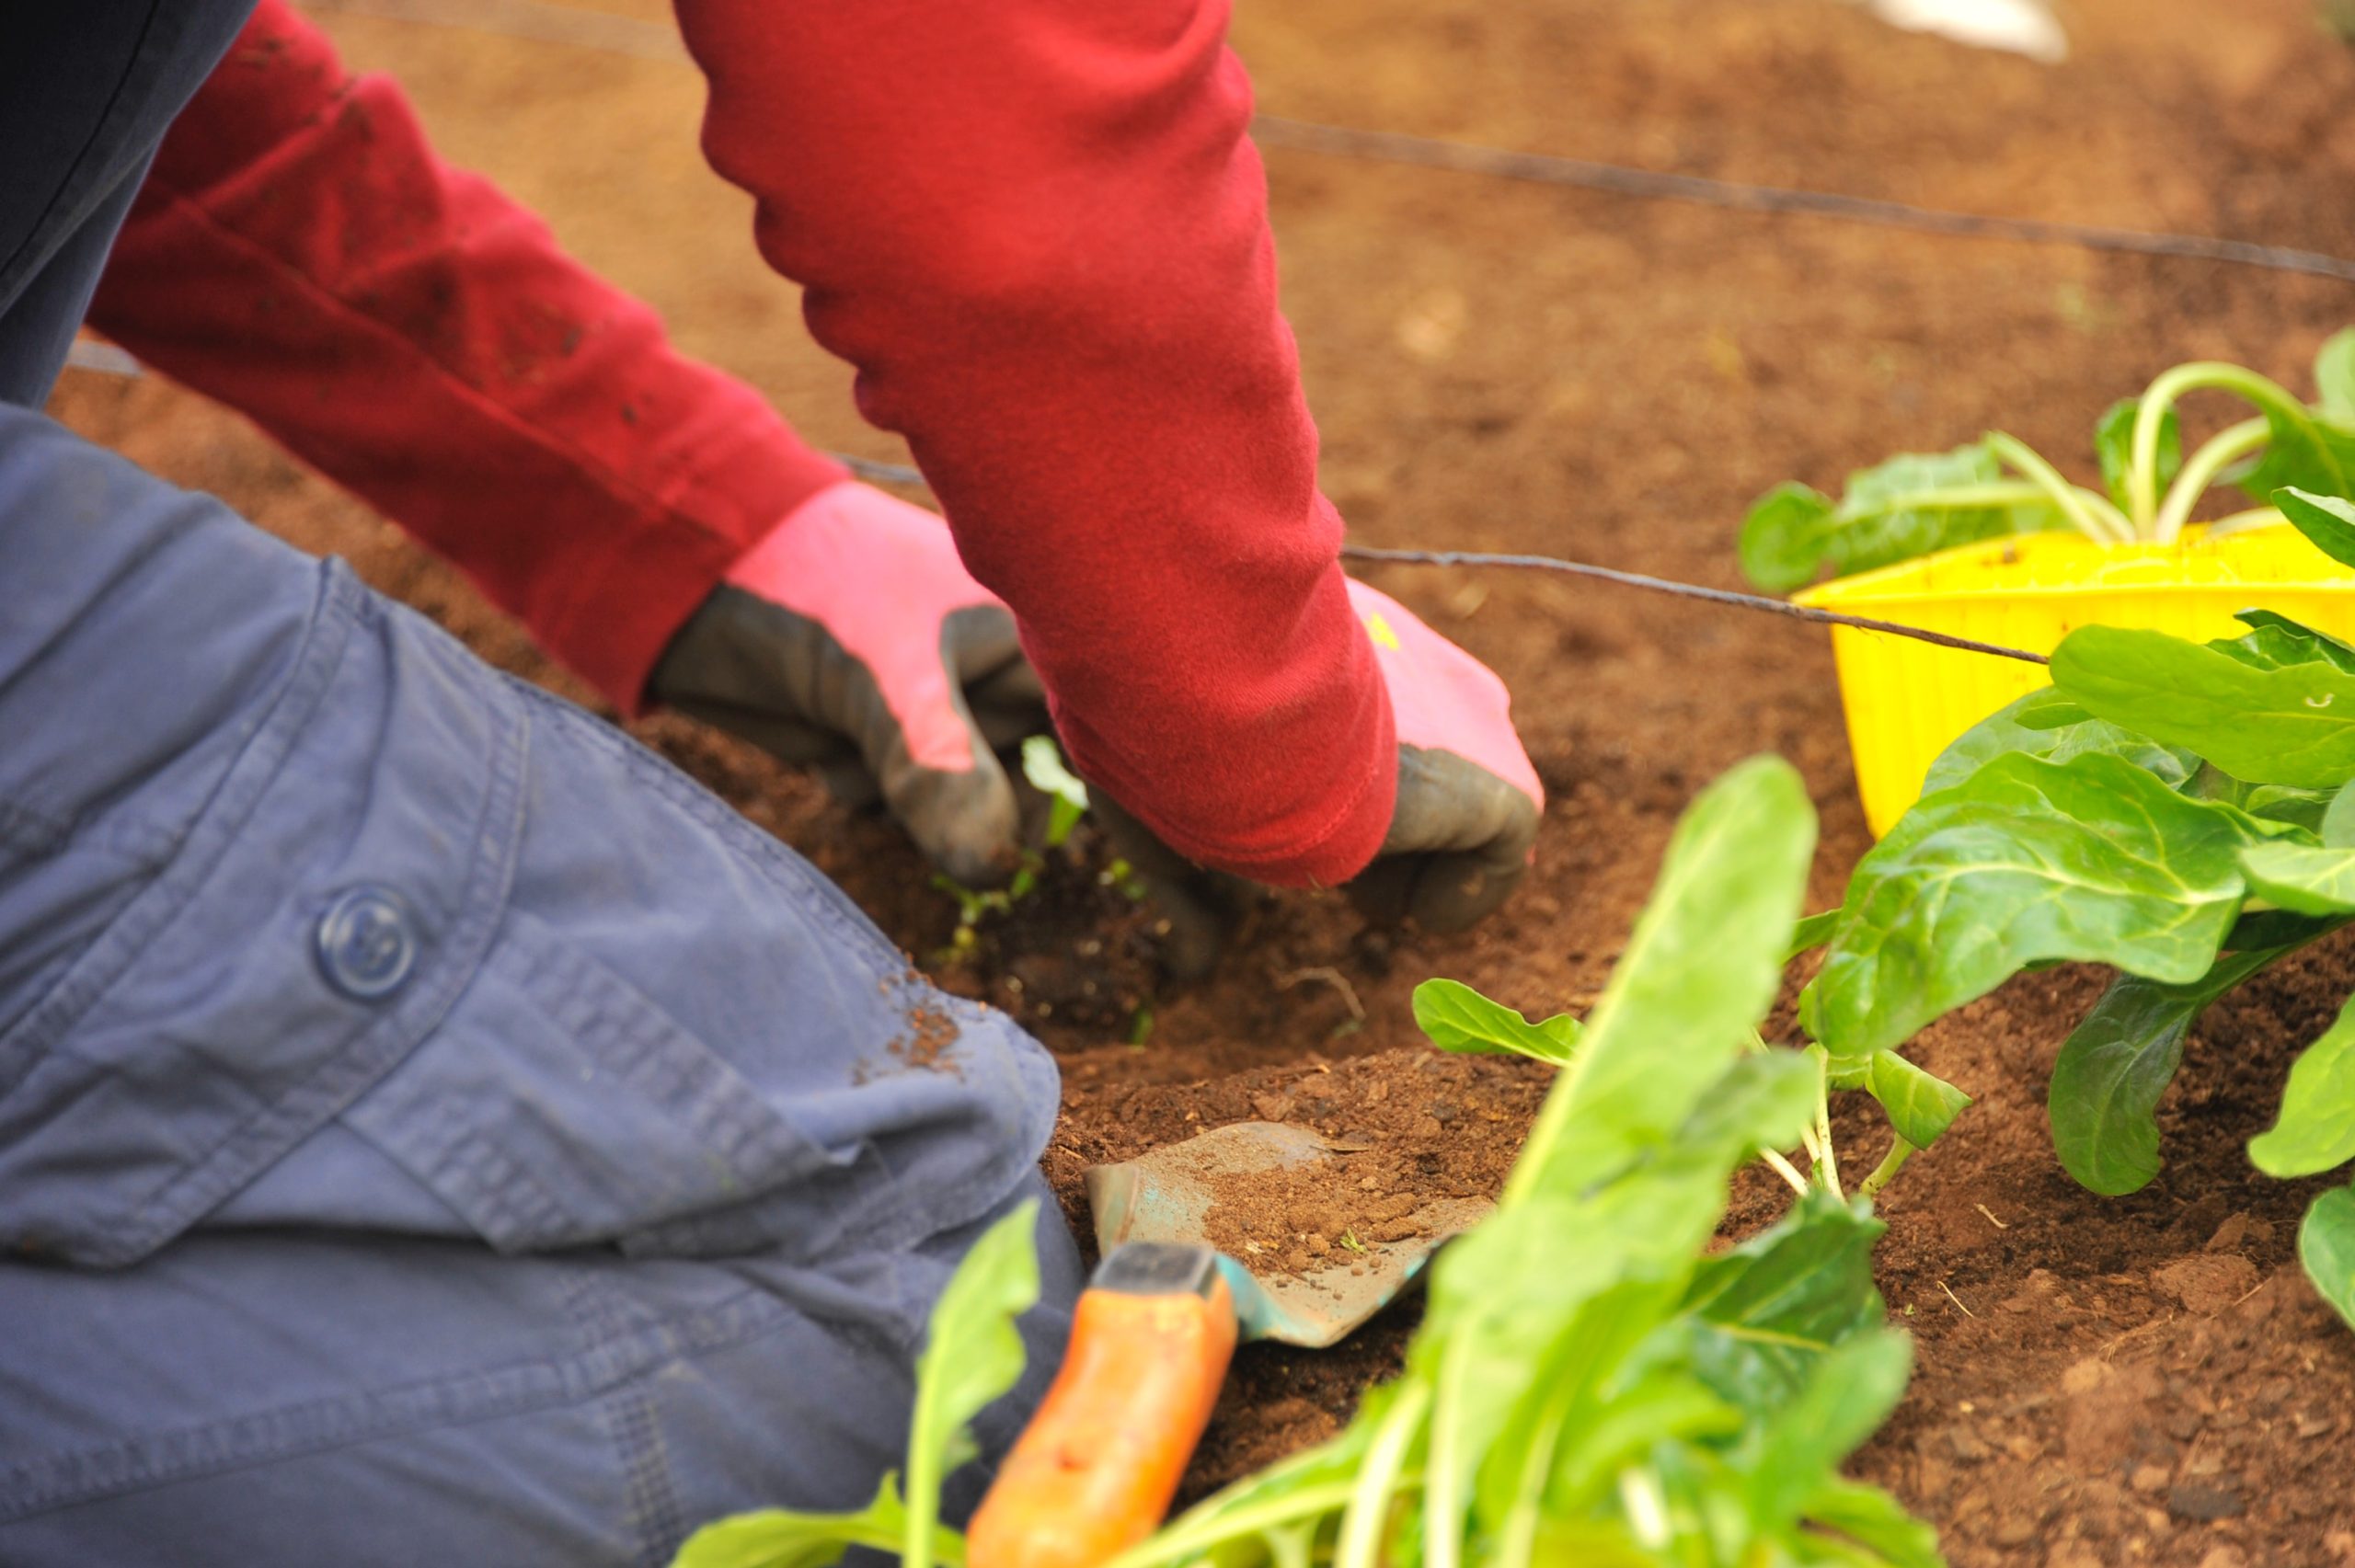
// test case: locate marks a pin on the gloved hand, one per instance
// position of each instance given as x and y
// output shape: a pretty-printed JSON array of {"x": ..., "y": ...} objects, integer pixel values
[
  {"x": 853, "y": 637},
  {"x": 1462, "y": 831}
]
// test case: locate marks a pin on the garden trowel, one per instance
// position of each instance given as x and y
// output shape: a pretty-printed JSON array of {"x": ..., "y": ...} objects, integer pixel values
[{"x": 1151, "y": 1335}]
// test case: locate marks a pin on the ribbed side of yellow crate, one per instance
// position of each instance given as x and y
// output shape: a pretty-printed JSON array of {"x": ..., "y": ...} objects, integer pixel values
[{"x": 1907, "y": 702}]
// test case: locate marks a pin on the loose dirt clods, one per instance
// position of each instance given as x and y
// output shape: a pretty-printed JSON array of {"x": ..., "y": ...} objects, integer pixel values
[
  {"x": 1407, "y": 1126},
  {"x": 930, "y": 1034}
]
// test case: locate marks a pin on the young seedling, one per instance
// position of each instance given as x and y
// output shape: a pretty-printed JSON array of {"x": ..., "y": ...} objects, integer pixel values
[{"x": 1042, "y": 765}]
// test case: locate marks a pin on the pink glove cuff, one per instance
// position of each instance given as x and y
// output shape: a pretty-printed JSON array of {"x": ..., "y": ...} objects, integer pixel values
[
  {"x": 873, "y": 570},
  {"x": 1442, "y": 699}
]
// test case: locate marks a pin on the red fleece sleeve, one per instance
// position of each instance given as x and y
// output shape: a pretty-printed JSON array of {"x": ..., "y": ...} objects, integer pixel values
[
  {"x": 1037, "y": 229},
  {"x": 300, "y": 253}
]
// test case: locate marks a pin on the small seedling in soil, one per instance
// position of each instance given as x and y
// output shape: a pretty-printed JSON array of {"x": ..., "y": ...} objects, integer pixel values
[
  {"x": 1081, "y": 954},
  {"x": 1916, "y": 504},
  {"x": 1042, "y": 765}
]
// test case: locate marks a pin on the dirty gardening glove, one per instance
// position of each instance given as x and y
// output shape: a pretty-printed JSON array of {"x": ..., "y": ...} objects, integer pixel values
[
  {"x": 1462, "y": 830},
  {"x": 853, "y": 637}
]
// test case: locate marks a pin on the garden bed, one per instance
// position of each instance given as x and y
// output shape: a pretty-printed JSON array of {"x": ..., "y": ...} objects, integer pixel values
[{"x": 2099, "y": 1381}]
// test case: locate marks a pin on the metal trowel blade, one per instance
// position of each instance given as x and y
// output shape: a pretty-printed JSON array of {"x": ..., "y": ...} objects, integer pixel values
[{"x": 1166, "y": 1195}]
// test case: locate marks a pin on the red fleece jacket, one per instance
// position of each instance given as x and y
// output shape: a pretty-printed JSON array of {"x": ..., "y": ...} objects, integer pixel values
[{"x": 1037, "y": 230}]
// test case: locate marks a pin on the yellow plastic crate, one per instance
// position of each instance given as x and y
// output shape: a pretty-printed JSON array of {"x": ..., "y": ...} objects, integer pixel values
[{"x": 1907, "y": 701}]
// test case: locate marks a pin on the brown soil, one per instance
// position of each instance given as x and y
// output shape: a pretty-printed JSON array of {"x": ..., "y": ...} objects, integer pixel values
[
  {"x": 1408, "y": 1126},
  {"x": 1499, "y": 365}
]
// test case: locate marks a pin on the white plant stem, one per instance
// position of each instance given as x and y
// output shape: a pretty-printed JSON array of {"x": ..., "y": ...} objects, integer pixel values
[
  {"x": 2089, "y": 514},
  {"x": 2212, "y": 459},
  {"x": 1367, "y": 1519},
  {"x": 1784, "y": 1169},
  {"x": 2150, "y": 418}
]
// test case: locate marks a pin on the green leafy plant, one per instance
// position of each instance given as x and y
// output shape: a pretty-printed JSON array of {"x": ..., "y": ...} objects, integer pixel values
[
  {"x": 1590, "y": 1382},
  {"x": 1920, "y": 1105},
  {"x": 2173, "y": 809},
  {"x": 1594, "y": 1381},
  {"x": 1457, "y": 1018},
  {"x": 972, "y": 1356},
  {"x": 1916, "y": 504}
]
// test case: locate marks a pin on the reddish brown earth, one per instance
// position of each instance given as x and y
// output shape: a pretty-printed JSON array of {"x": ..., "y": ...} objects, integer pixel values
[{"x": 2139, "y": 1381}]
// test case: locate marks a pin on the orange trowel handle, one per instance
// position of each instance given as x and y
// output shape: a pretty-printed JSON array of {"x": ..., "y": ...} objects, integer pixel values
[{"x": 1095, "y": 1471}]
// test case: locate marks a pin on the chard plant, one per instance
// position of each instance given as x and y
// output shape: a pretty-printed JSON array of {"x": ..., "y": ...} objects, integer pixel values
[
  {"x": 1916, "y": 504},
  {"x": 1593, "y": 1381},
  {"x": 2177, "y": 810}
]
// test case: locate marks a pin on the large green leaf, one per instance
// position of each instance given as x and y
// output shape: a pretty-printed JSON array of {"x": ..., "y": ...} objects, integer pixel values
[
  {"x": 1921, "y": 1105},
  {"x": 778, "y": 1537},
  {"x": 2306, "y": 879},
  {"x": 1763, "y": 1102},
  {"x": 1765, "y": 1311},
  {"x": 1811, "y": 933},
  {"x": 1514, "y": 1355},
  {"x": 2300, "y": 808},
  {"x": 2021, "y": 727},
  {"x": 1562, "y": 1392},
  {"x": 2114, "y": 444},
  {"x": 1664, "y": 1404},
  {"x": 2094, "y": 859},
  {"x": 2294, "y": 725},
  {"x": 1630, "y": 1154},
  {"x": 2327, "y": 520},
  {"x": 1517, "y": 1357},
  {"x": 2316, "y": 1131},
  {"x": 1912, "y": 505},
  {"x": 2104, "y": 1097},
  {"x": 1701, "y": 967},
  {"x": 972, "y": 1354},
  {"x": 1874, "y": 1519},
  {"x": 2327, "y": 1247},
  {"x": 2273, "y": 641},
  {"x": 1507, "y": 1349},
  {"x": 1458, "y": 1018},
  {"x": 2325, "y": 647},
  {"x": 1850, "y": 1391}
]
